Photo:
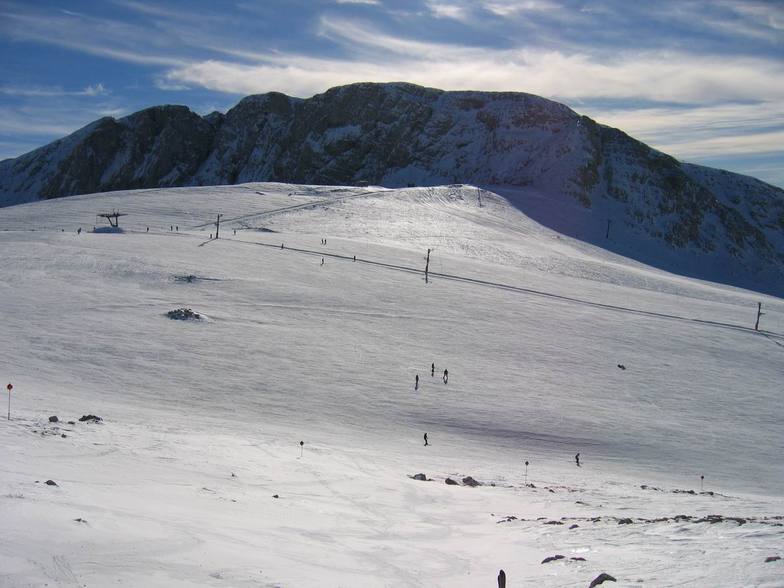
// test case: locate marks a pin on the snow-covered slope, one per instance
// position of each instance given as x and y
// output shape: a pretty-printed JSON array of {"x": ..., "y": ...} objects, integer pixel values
[
  {"x": 729, "y": 226},
  {"x": 202, "y": 419}
]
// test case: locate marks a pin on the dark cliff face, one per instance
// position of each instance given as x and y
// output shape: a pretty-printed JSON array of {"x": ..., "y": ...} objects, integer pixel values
[{"x": 399, "y": 134}]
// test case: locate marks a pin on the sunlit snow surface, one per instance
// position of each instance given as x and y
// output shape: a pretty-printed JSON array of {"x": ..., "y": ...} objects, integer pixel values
[{"x": 203, "y": 419}]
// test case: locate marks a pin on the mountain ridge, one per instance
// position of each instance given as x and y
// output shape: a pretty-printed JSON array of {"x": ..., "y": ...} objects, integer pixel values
[{"x": 399, "y": 134}]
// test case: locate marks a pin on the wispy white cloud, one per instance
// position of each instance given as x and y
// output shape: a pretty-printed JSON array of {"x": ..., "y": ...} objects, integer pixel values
[
  {"x": 378, "y": 56},
  {"x": 698, "y": 132},
  {"x": 510, "y": 7},
  {"x": 369, "y": 2},
  {"x": 43, "y": 91},
  {"x": 97, "y": 36},
  {"x": 441, "y": 9}
]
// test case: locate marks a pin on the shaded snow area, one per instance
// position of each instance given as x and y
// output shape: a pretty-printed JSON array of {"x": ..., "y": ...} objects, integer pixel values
[{"x": 194, "y": 474}]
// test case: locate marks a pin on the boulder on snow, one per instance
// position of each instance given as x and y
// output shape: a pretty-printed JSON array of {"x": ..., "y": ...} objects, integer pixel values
[
  {"x": 553, "y": 558},
  {"x": 626, "y": 521},
  {"x": 469, "y": 481},
  {"x": 602, "y": 578},
  {"x": 421, "y": 477},
  {"x": 50, "y": 483},
  {"x": 772, "y": 558},
  {"x": 574, "y": 526},
  {"x": 53, "y": 419},
  {"x": 183, "y": 314},
  {"x": 450, "y": 482},
  {"x": 90, "y": 418}
]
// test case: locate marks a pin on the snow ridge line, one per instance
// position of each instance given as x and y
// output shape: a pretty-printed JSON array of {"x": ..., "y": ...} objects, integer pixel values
[{"x": 245, "y": 217}]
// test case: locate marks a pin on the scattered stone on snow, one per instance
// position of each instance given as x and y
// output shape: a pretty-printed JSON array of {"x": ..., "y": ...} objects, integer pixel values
[
  {"x": 183, "y": 314},
  {"x": 553, "y": 523},
  {"x": 53, "y": 419},
  {"x": 421, "y": 477},
  {"x": 81, "y": 520},
  {"x": 553, "y": 558},
  {"x": 601, "y": 578},
  {"x": 275, "y": 496},
  {"x": 90, "y": 418},
  {"x": 63, "y": 435},
  {"x": 577, "y": 558},
  {"x": 469, "y": 481},
  {"x": 626, "y": 521},
  {"x": 574, "y": 526},
  {"x": 50, "y": 483},
  {"x": 450, "y": 482},
  {"x": 772, "y": 558},
  {"x": 71, "y": 422}
]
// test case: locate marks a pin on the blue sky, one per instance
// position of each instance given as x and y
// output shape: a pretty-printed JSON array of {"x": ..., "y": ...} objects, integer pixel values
[{"x": 703, "y": 81}]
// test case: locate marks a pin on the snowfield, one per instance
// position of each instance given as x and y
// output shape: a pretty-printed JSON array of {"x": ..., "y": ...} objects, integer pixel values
[{"x": 195, "y": 476}]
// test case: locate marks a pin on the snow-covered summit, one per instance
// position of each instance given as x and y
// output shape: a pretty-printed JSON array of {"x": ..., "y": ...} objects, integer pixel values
[{"x": 400, "y": 134}]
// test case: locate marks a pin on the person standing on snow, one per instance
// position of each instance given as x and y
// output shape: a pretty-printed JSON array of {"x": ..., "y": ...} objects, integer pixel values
[
  {"x": 446, "y": 376},
  {"x": 432, "y": 369},
  {"x": 577, "y": 460},
  {"x": 416, "y": 382},
  {"x": 426, "y": 443}
]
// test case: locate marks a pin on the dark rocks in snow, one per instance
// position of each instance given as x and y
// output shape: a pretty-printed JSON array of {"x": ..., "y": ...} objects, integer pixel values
[
  {"x": 63, "y": 435},
  {"x": 90, "y": 418},
  {"x": 420, "y": 477},
  {"x": 190, "y": 278},
  {"x": 621, "y": 366},
  {"x": 625, "y": 521},
  {"x": 183, "y": 314},
  {"x": 553, "y": 523},
  {"x": 51, "y": 483},
  {"x": 275, "y": 496},
  {"x": 81, "y": 520},
  {"x": 772, "y": 558},
  {"x": 680, "y": 491},
  {"x": 53, "y": 419},
  {"x": 469, "y": 481},
  {"x": 574, "y": 526},
  {"x": 553, "y": 558},
  {"x": 601, "y": 578},
  {"x": 71, "y": 422},
  {"x": 577, "y": 558},
  {"x": 450, "y": 482}
]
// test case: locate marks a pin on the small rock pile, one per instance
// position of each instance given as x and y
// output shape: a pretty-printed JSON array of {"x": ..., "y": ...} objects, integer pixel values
[{"x": 183, "y": 314}]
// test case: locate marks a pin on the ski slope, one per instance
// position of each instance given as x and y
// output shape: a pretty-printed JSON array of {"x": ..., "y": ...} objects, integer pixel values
[{"x": 202, "y": 419}]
